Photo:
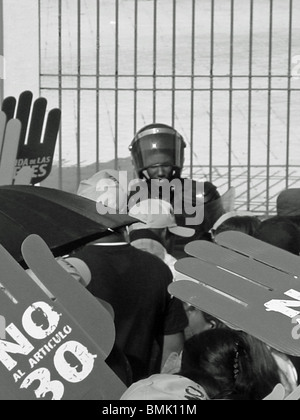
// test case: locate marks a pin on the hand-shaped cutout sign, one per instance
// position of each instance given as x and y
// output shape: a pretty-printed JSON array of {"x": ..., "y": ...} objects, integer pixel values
[
  {"x": 34, "y": 140},
  {"x": 9, "y": 142},
  {"x": 56, "y": 343},
  {"x": 247, "y": 283}
]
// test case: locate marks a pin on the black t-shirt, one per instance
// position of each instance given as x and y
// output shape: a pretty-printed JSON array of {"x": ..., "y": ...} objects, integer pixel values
[{"x": 135, "y": 283}]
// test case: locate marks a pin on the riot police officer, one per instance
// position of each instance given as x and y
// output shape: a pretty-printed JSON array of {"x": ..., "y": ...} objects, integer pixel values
[{"x": 157, "y": 152}]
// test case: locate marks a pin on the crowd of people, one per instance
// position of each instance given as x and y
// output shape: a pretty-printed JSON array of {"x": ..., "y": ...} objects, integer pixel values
[{"x": 166, "y": 348}]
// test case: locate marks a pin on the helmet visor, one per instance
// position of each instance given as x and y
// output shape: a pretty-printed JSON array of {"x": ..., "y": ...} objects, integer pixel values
[{"x": 157, "y": 147}]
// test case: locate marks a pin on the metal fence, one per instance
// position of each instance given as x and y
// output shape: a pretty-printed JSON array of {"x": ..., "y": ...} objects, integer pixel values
[
  {"x": 224, "y": 73},
  {"x": 2, "y": 63}
]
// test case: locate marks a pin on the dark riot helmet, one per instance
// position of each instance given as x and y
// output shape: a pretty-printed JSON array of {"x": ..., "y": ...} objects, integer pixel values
[{"x": 157, "y": 145}]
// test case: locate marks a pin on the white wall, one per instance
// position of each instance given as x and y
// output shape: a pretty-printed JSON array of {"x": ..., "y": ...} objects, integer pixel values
[{"x": 21, "y": 44}]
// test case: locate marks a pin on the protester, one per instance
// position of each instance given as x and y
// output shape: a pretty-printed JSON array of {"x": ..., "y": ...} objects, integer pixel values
[
  {"x": 288, "y": 202},
  {"x": 241, "y": 221},
  {"x": 200, "y": 322},
  {"x": 156, "y": 228},
  {"x": 281, "y": 232},
  {"x": 149, "y": 321},
  {"x": 81, "y": 273},
  {"x": 106, "y": 187},
  {"x": 230, "y": 365},
  {"x": 226, "y": 364},
  {"x": 288, "y": 205}
]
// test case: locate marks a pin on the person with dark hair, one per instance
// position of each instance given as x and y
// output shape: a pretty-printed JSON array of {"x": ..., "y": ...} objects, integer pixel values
[
  {"x": 135, "y": 284},
  {"x": 218, "y": 364},
  {"x": 281, "y": 232},
  {"x": 245, "y": 222},
  {"x": 149, "y": 322},
  {"x": 230, "y": 364},
  {"x": 157, "y": 152},
  {"x": 200, "y": 322}
]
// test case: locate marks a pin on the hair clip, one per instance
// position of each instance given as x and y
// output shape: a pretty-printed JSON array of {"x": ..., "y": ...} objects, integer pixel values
[{"x": 236, "y": 370}]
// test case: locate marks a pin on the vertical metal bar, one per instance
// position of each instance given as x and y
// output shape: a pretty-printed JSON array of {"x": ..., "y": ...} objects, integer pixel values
[
  {"x": 116, "y": 84},
  {"x": 39, "y": 43},
  {"x": 192, "y": 86},
  {"x": 174, "y": 63},
  {"x": 250, "y": 104},
  {"x": 1, "y": 49},
  {"x": 154, "y": 58},
  {"x": 136, "y": 38},
  {"x": 230, "y": 92},
  {"x": 289, "y": 95},
  {"x": 268, "y": 171},
  {"x": 60, "y": 70},
  {"x": 98, "y": 72},
  {"x": 78, "y": 90},
  {"x": 212, "y": 52}
]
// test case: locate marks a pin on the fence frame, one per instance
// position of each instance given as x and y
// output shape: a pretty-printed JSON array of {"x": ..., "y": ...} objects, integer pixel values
[{"x": 174, "y": 77}]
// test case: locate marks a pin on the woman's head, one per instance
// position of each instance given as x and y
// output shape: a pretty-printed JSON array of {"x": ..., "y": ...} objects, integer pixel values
[
  {"x": 244, "y": 224},
  {"x": 230, "y": 364},
  {"x": 200, "y": 321},
  {"x": 281, "y": 232}
]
